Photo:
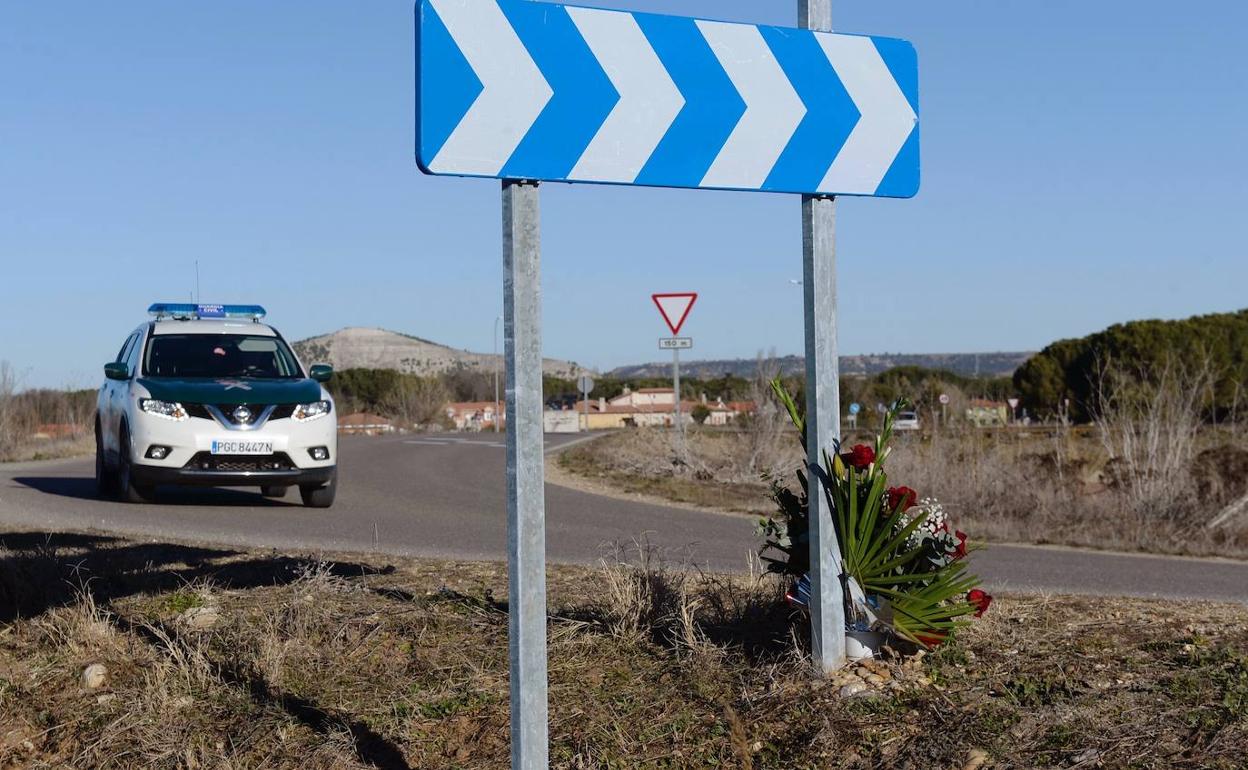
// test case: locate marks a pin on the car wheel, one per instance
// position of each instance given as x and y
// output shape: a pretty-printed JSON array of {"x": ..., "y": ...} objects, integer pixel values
[
  {"x": 105, "y": 478},
  {"x": 275, "y": 492},
  {"x": 319, "y": 496},
  {"x": 127, "y": 490}
]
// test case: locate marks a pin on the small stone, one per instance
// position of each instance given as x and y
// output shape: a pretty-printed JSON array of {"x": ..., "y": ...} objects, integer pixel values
[
  {"x": 94, "y": 675},
  {"x": 875, "y": 679},
  {"x": 925, "y": 681},
  {"x": 756, "y": 747},
  {"x": 852, "y": 689},
  {"x": 201, "y": 618},
  {"x": 104, "y": 698},
  {"x": 862, "y": 672},
  {"x": 975, "y": 759}
]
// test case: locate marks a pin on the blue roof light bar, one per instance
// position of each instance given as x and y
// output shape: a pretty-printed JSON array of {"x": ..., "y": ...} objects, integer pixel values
[{"x": 188, "y": 310}]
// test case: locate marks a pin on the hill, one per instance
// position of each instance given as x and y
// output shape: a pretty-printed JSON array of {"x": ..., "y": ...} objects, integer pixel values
[
  {"x": 355, "y": 347},
  {"x": 967, "y": 364}
]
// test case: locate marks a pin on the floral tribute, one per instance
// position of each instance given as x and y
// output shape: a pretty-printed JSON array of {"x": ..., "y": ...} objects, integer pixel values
[{"x": 903, "y": 561}]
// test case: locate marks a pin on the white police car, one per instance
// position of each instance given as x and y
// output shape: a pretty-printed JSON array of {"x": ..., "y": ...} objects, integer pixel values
[{"x": 207, "y": 395}]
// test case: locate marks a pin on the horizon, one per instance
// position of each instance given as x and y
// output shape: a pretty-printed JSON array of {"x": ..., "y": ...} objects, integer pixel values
[{"x": 275, "y": 147}]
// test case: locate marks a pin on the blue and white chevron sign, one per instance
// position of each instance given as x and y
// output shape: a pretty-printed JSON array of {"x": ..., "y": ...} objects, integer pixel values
[{"x": 516, "y": 89}]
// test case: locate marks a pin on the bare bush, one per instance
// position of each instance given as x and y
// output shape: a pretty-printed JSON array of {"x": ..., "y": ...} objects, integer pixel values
[
  {"x": 764, "y": 431},
  {"x": 418, "y": 401},
  {"x": 1148, "y": 426}
]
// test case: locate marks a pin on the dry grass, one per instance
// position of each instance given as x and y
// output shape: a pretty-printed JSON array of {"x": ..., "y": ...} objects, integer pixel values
[
  {"x": 721, "y": 468},
  {"x": 229, "y": 659},
  {"x": 1056, "y": 485}
]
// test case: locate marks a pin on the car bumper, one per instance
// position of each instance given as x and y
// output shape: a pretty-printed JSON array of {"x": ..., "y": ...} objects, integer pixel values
[
  {"x": 194, "y": 437},
  {"x": 152, "y": 475}
]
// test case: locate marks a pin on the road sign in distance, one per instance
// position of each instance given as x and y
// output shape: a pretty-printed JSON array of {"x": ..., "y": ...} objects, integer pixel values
[
  {"x": 944, "y": 398},
  {"x": 675, "y": 308},
  {"x": 515, "y": 89},
  {"x": 1013, "y": 402},
  {"x": 586, "y": 384},
  {"x": 675, "y": 343},
  {"x": 855, "y": 408},
  {"x": 881, "y": 408}
]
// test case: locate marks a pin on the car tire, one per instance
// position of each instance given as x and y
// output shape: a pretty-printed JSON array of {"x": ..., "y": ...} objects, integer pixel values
[
  {"x": 276, "y": 493},
  {"x": 127, "y": 490},
  {"x": 319, "y": 495},
  {"x": 105, "y": 477}
]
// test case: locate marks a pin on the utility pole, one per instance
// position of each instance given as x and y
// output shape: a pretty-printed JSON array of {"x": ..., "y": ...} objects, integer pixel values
[{"x": 823, "y": 399}]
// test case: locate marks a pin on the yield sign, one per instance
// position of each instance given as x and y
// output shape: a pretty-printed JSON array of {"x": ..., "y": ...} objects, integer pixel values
[{"x": 675, "y": 308}]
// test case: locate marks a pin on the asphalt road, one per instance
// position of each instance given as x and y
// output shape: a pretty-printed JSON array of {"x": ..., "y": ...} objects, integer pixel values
[{"x": 443, "y": 496}]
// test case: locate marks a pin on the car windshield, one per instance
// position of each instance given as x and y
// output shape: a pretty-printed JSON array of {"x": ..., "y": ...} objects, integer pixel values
[{"x": 219, "y": 355}]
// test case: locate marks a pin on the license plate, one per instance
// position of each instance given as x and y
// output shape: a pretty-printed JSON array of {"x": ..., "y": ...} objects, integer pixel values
[{"x": 238, "y": 447}]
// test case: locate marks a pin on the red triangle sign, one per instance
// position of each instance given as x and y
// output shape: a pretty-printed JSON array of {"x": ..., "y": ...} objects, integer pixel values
[{"x": 675, "y": 308}]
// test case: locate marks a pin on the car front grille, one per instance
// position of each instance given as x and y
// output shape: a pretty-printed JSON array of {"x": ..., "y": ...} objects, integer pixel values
[
  {"x": 206, "y": 461},
  {"x": 280, "y": 412}
]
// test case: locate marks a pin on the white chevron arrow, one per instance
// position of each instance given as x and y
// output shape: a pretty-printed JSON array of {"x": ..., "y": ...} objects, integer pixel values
[
  {"x": 513, "y": 95},
  {"x": 648, "y": 104},
  {"x": 773, "y": 109},
  {"x": 887, "y": 118}
]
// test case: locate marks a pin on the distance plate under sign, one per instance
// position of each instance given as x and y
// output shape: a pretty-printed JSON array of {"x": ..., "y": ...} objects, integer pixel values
[{"x": 675, "y": 343}]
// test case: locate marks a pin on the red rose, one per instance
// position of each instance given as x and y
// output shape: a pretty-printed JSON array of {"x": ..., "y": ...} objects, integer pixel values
[
  {"x": 860, "y": 456},
  {"x": 981, "y": 599},
  {"x": 901, "y": 498},
  {"x": 960, "y": 551}
]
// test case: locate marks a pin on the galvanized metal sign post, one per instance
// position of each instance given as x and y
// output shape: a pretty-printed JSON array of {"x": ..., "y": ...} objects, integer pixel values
[
  {"x": 526, "y": 495},
  {"x": 525, "y": 91},
  {"x": 586, "y": 385},
  {"x": 823, "y": 399}
]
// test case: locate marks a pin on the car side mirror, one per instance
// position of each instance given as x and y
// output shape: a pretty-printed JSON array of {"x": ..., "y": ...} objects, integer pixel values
[
  {"x": 116, "y": 370},
  {"x": 321, "y": 372}
]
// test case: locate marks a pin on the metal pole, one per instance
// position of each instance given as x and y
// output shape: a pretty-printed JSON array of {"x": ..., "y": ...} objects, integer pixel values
[
  {"x": 496, "y": 415},
  {"x": 676, "y": 393},
  {"x": 823, "y": 399},
  {"x": 526, "y": 505}
]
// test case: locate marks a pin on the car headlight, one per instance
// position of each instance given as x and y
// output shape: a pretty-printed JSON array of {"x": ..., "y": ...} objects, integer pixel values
[
  {"x": 313, "y": 411},
  {"x": 167, "y": 409}
]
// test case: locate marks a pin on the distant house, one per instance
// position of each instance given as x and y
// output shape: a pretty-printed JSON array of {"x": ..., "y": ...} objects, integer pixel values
[
  {"x": 652, "y": 407},
  {"x": 474, "y": 415},
  {"x": 982, "y": 413},
  {"x": 362, "y": 423}
]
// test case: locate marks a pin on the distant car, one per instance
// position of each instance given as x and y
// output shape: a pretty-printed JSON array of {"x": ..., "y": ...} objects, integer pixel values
[
  {"x": 906, "y": 421},
  {"x": 207, "y": 395}
]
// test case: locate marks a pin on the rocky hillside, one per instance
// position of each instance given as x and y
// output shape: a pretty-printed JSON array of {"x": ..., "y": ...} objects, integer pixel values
[
  {"x": 967, "y": 364},
  {"x": 380, "y": 349}
]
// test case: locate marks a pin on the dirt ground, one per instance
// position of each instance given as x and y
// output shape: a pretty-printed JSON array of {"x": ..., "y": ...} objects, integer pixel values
[{"x": 215, "y": 658}]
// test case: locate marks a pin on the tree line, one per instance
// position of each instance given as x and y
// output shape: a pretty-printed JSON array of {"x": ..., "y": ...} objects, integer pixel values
[{"x": 1073, "y": 376}]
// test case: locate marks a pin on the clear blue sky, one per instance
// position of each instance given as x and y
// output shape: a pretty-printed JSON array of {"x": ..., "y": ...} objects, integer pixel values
[{"x": 1084, "y": 163}]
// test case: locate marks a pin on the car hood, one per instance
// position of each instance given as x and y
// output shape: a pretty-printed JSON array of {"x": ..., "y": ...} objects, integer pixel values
[{"x": 227, "y": 390}]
